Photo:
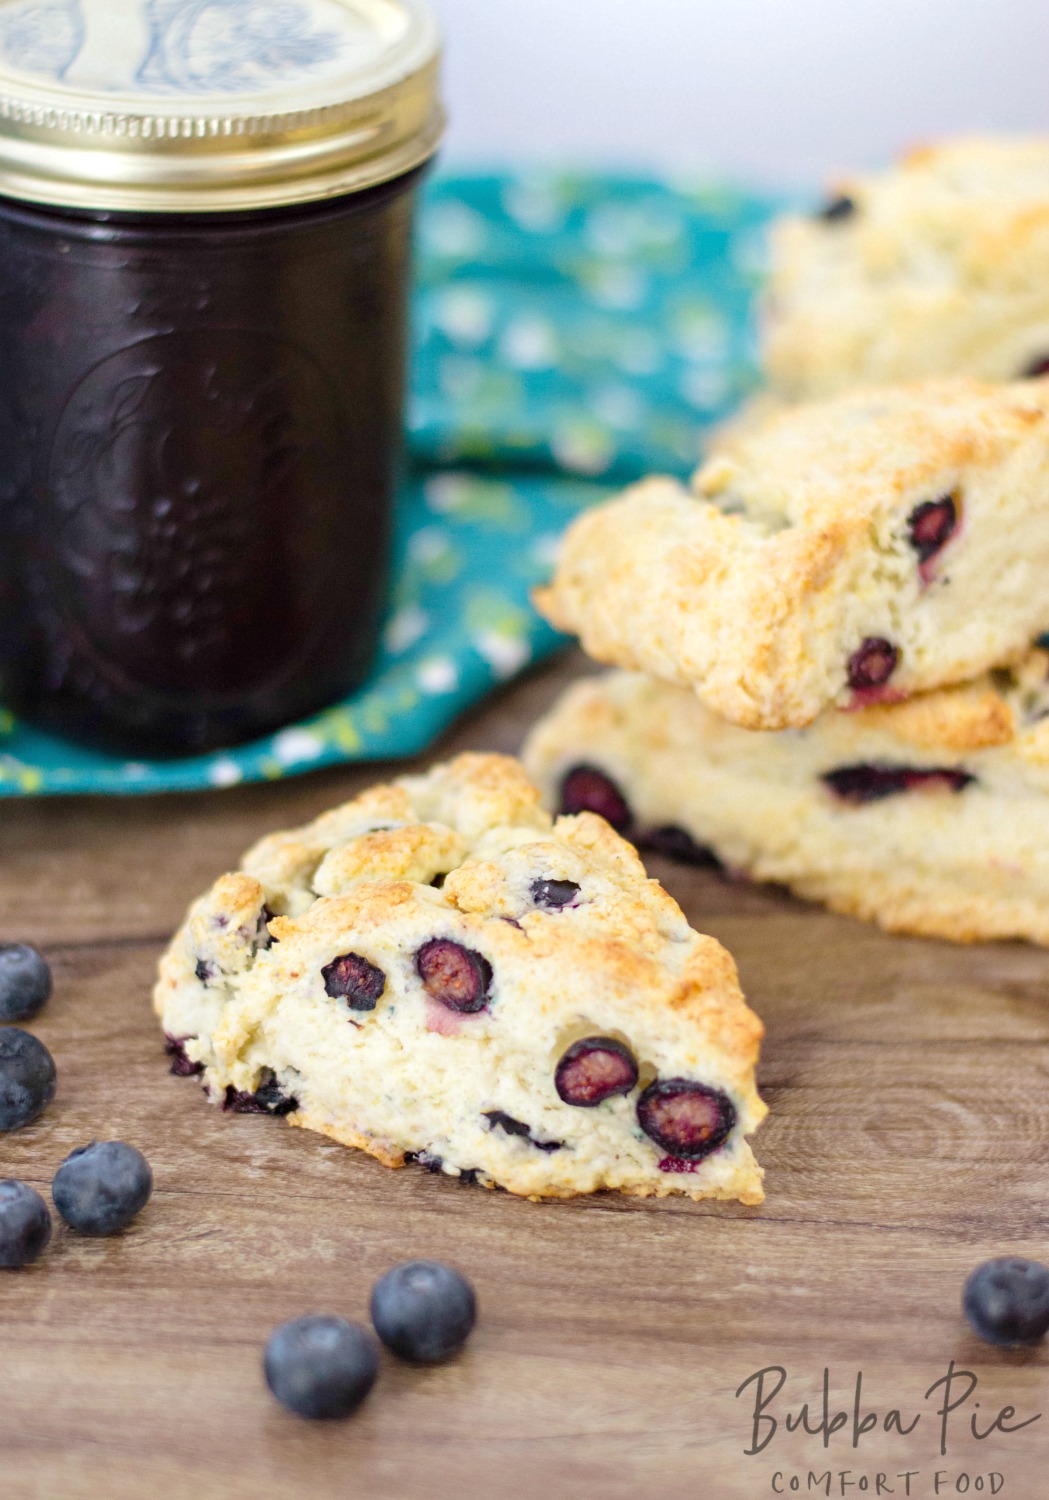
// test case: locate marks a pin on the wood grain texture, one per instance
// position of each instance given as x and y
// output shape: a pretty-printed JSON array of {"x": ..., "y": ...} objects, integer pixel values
[{"x": 908, "y": 1139}]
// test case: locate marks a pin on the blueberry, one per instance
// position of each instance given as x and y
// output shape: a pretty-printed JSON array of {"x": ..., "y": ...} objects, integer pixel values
[
  {"x": 687, "y": 1119},
  {"x": 353, "y": 979},
  {"x": 100, "y": 1188},
  {"x": 458, "y": 977},
  {"x": 837, "y": 209},
  {"x": 25, "y": 1224},
  {"x": 872, "y": 782},
  {"x": 586, "y": 789},
  {"x": 554, "y": 894},
  {"x": 1007, "y": 1301},
  {"x": 595, "y": 1069},
  {"x": 268, "y": 1099},
  {"x": 181, "y": 1065},
  {"x": 321, "y": 1367},
  {"x": 1038, "y": 366},
  {"x": 498, "y": 1119},
  {"x": 27, "y": 1078},
  {"x": 872, "y": 663},
  {"x": 423, "y": 1311},
  {"x": 677, "y": 843},
  {"x": 25, "y": 982},
  {"x": 931, "y": 526}
]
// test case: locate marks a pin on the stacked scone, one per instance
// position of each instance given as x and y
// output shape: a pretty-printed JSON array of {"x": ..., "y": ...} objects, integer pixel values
[
  {"x": 836, "y": 621},
  {"x": 939, "y": 266}
]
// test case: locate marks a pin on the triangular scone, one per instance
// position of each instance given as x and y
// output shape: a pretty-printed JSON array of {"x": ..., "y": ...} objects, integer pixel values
[
  {"x": 939, "y": 266},
  {"x": 929, "y": 816},
  {"x": 438, "y": 971},
  {"x": 861, "y": 550}
]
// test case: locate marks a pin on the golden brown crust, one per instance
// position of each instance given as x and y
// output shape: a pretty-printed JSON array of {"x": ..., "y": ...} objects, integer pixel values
[
  {"x": 942, "y": 268},
  {"x": 796, "y": 548},
  {"x": 974, "y": 716},
  {"x": 396, "y": 1072}
]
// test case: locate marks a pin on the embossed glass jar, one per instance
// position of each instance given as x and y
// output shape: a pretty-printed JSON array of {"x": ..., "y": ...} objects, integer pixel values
[{"x": 205, "y": 214}]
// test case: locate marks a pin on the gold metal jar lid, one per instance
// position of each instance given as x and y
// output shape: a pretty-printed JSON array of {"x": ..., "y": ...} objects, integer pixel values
[{"x": 194, "y": 106}]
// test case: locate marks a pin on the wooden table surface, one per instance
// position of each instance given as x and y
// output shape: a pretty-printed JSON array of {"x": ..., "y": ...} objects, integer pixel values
[{"x": 908, "y": 1139}]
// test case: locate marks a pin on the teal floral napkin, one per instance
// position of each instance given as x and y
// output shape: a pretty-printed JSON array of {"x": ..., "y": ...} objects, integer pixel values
[{"x": 572, "y": 333}]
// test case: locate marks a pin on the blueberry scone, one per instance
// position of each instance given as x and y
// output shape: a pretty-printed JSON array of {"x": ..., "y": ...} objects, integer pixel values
[
  {"x": 438, "y": 971},
  {"x": 939, "y": 266},
  {"x": 852, "y": 551},
  {"x": 930, "y": 816}
]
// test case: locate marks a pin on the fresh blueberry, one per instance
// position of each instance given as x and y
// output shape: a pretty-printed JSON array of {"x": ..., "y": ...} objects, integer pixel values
[
  {"x": 423, "y": 1311},
  {"x": 586, "y": 789},
  {"x": 321, "y": 1367},
  {"x": 25, "y": 982},
  {"x": 687, "y": 1119},
  {"x": 1007, "y": 1301},
  {"x": 872, "y": 782},
  {"x": 25, "y": 1224},
  {"x": 27, "y": 1078},
  {"x": 594, "y": 1069},
  {"x": 837, "y": 209},
  {"x": 458, "y": 977},
  {"x": 554, "y": 894},
  {"x": 353, "y": 979},
  {"x": 872, "y": 663},
  {"x": 100, "y": 1188}
]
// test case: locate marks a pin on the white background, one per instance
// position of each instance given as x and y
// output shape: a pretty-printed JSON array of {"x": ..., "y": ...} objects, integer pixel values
[{"x": 774, "y": 91}]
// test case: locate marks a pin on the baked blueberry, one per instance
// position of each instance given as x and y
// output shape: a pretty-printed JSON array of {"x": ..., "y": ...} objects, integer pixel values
[
  {"x": 423, "y": 1311},
  {"x": 428, "y": 1160},
  {"x": 1007, "y": 1301},
  {"x": 1037, "y": 366},
  {"x": 263, "y": 936},
  {"x": 931, "y": 526},
  {"x": 25, "y": 982},
  {"x": 268, "y": 1099},
  {"x": 872, "y": 782},
  {"x": 353, "y": 979},
  {"x": 100, "y": 1188},
  {"x": 837, "y": 209},
  {"x": 586, "y": 789},
  {"x": 498, "y": 1119},
  {"x": 458, "y": 977},
  {"x": 204, "y": 971},
  {"x": 594, "y": 1069},
  {"x": 321, "y": 1367},
  {"x": 554, "y": 894},
  {"x": 677, "y": 843},
  {"x": 181, "y": 1065},
  {"x": 687, "y": 1119},
  {"x": 25, "y": 1224},
  {"x": 27, "y": 1078},
  {"x": 872, "y": 663}
]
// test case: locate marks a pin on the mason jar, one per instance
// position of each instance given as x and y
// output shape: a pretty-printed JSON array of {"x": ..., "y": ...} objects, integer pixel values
[{"x": 205, "y": 221}]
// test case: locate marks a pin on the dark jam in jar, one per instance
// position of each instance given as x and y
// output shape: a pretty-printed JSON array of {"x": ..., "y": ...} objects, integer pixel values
[
  {"x": 200, "y": 418},
  {"x": 199, "y": 433}
]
